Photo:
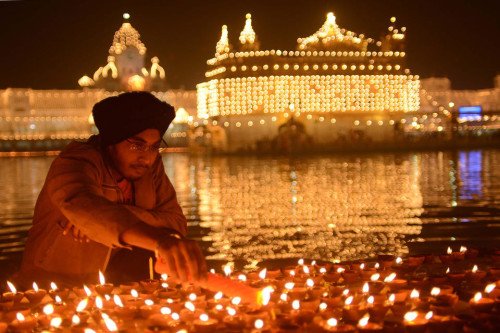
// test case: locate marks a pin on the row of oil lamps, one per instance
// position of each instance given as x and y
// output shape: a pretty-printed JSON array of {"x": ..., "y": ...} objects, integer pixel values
[{"x": 422, "y": 293}]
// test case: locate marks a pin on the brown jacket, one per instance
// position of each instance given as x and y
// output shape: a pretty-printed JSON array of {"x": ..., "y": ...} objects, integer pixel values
[{"x": 80, "y": 189}]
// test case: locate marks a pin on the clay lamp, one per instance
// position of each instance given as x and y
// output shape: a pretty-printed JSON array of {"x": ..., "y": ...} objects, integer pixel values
[
  {"x": 331, "y": 325},
  {"x": 48, "y": 313},
  {"x": 78, "y": 325},
  {"x": 481, "y": 304},
  {"x": 439, "y": 324},
  {"x": 415, "y": 322},
  {"x": 35, "y": 295},
  {"x": 148, "y": 308},
  {"x": 83, "y": 292},
  {"x": 352, "y": 311},
  {"x": 12, "y": 295},
  {"x": 126, "y": 288},
  {"x": 475, "y": 275},
  {"x": 81, "y": 312},
  {"x": 103, "y": 288},
  {"x": 109, "y": 323},
  {"x": 205, "y": 324},
  {"x": 455, "y": 277},
  {"x": 492, "y": 291},
  {"x": 448, "y": 257},
  {"x": 393, "y": 283},
  {"x": 470, "y": 253},
  {"x": 416, "y": 260},
  {"x": 134, "y": 299},
  {"x": 376, "y": 310},
  {"x": 121, "y": 311},
  {"x": 364, "y": 326},
  {"x": 233, "y": 320},
  {"x": 55, "y": 291},
  {"x": 460, "y": 255},
  {"x": 376, "y": 286},
  {"x": 22, "y": 323}
]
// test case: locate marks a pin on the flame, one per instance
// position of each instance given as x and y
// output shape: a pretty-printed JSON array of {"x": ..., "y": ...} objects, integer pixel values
[
  {"x": 20, "y": 316},
  {"x": 301, "y": 262},
  {"x": 263, "y": 273},
  {"x": 296, "y": 304},
  {"x": 266, "y": 294},
  {"x": 435, "y": 291},
  {"x": 348, "y": 300},
  {"x": 399, "y": 261},
  {"x": 98, "y": 302},
  {"x": 366, "y": 288},
  {"x": 164, "y": 285},
  {"x": 411, "y": 316},
  {"x": 463, "y": 249},
  {"x": 35, "y": 287},
  {"x": 306, "y": 270},
  {"x": 284, "y": 297},
  {"x": 53, "y": 286},
  {"x": 322, "y": 270},
  {"x": 236, "y": 300},
  {"x": 89, "y": 330},
  {"x": 340, "y": 270},
  {"x": 149, "y": 302},
  {"x": 364, "y": 321},
  {"x": 289, "y": 285},
  {"x": 204, "y": 317},
  {"x": 310, "y": 282},
  {"x": 377, "y": 265},
  {"x": 219, "y": 307},
  {"x": 175, "y": 316},
  {"x": 392, "y": 298},
  {"x": 489, "y": 288},
  {"x": 189, "y": 306},
  {"x": 292, "y": 273},
  {"x": 477, "y": 297},
  {"x": 165, "y": 310},
  {"x": 323, "y": 306},
  {"x": 429, "y": 315},
  {"x": 11, "y": 287},
  {"x": 218, "y": 296},
  {"x": 474, "y": 269},
  {"x": 448, "y": 250},
  {"x": 242, "y": 277},
  {"x": 88, "y": 292},
  {"x": 390, "y": 277},
  {"x": 118, "y": 301},
  {"x": 375, "y": 277},
  {"x": 107, "y": 297},
  {"x": 332, "y": 322},
  {"x": 313, "y": 263},
  {"x": 192, "y": 297},
  {"x": 259, "y": 323},
  {"x": 227, "y": 269},
  {"x": 56, "y": 322},
  {"x": 231, "y": 311},
  {"x": 82, "y": 305},
  {"x": 48, "y": 309},
  {"x": 102, "y": 280},
  {"x": 345, "y": 292},
  {"x": 75, "y": 320},
  {"x": 448, "y": 270},
  {"x": 164, "y": 277},
  {"x": 362, "y": 266},
  {"x": 110, "y": 324},
  {"x": 414, "y": 294},
  {"x": 371, "y": 299},
  {"x": 134, "y": 293}
]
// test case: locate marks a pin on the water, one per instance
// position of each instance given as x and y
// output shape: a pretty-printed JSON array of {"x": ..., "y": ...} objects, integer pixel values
[{"x": 336, "y": 207}]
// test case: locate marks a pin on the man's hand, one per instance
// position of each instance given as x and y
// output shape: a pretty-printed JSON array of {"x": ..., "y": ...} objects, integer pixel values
[
  {"x": 182, "y": 258},
  {"x": 78, "y": 235}
]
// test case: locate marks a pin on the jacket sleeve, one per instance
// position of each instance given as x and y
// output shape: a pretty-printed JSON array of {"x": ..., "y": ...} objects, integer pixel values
[
  {"x": 74, "y": 187},
  {"x": 167, "y": 212}
]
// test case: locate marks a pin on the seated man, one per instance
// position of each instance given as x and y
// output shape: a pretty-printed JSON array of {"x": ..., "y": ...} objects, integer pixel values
[{"x": 107, "y": 194}]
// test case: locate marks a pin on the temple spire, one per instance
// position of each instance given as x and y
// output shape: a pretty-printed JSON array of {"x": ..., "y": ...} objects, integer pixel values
[
  {"x": 223, "y": 43},
  {"x": 248, "y": 37}
]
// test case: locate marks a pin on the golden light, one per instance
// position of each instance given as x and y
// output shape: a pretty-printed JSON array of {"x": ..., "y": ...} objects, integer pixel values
[
  {"x": 340, "y": 270},
  {"x": 411, "y": 316},
  {"x": 262, "y": 273},
  {"x": 399, "y": 260},
  {"x": 89, "y": 330},
  {"x": 305, "y": 269},
  {"x": 310, "y": 283},
  {"x": 149, "y": 302},
  {"x": 390, "y": 277},
  {"x": 134, "y": 293},
  {"x": 392, "y": 298},
  {"x": 348, "y": 300},
  {"x": 366, "y": 288},
  {"x": 164, "y": 277},
  {"x": 218, "y": 295},
  {"x": 118, "y": 301},
  {"x": 332, "y": 322},
  {"x": 11, "y": 287},
  {"x": 35, "y": 286},
  {"x": 102, "y": 280},
  {"x": 296, "y": 304},
  {"x": 236, "y": 300},
  {"x": 463, "y": 249},
  {"x": 345, "y": 292},
  {"x": 429, "y": 315},
  {"x": 489, "y": 288},
  {"x": 435, "y": 291},
  {"x": 192, "y": 297},
  {"x": 364, "y": 321},
  {"x": 227, "y": 270},
  {"x": 266, "y": 294},
  {"x": 474, "y": 269},
  {"x": 53, "y": 286},
  {"x": 20, "y": 316},
  {"x": 284, "y": 297},
  {"x": 75, "y": 320},
  {"x": 58, "y": 299},
  {"x": 259, "y": 323},
  {"x": 371, "y": 300},
  {"x": 136, "y": 83},
  {"x": 289, "y": 285},
  {"x": 204, "y": 317},
  {"x": 56, "y": 322},
  {"x": 231, "y": 311},
  {"x": 82, "y": 305},
  {"x": 242, "y": 277},
  {"x": 448, "y": 250},
  {"x": 477, "y": 297},
  {"x": 98, "y": 302},
  {"x": 48, "y": 309},
  {"x": 110, "y": 324},
  {"x": 414, "y": 294},
  {"x": 375, "y": 277},
  {"x": 323, "y": 306},
  {"x": 165, "y": 310}
]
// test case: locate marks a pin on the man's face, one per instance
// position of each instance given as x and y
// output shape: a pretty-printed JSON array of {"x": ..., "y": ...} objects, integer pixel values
[{"x": 134, "y": 156}]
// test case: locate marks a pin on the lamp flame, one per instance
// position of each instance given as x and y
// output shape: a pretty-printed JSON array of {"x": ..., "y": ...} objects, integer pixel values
[
  {"x": 242, "y": 277},
  {"x": 366, "y": 288},
  {"x": 435, "y": 291},
  {"x": 102, "y": 280},
  {"x": 489, "y": 288},
  {"x": 332, "y": 322},
  {"x": 375, "y": 277},
  {"x": 236, "y": 300},
  {"x": 348, "y": 300},
  {"x": 259, "y": 323},
  {"x": 98, "y": 302},
  {"x": 414, "y": 294},
  {"x": 371, "y": 299},
  {"x": 263, "y": 273},
  {"x": 429, "y": 315},
  {"x": 53, "y": 286},
  {"x": 301, "y": 262},
  {"x": 448, "y": 250},
  {"x": 82, "y": 305},
  {"x": 204, "y": 317},
  {"x": 364, "y": 321},
  {"x": 88, "y": 292},
  {"x": 35, "y": 287},
  {"x": 231, "y": 311},
  {"x": 390, "y": 277},
  {"x": 474, "y": 269},
  {"x": 306, "y": 270},
  {"x": 118, "y": 301},
  {"x": 399, "y": 261},
  {"x": 310, "y": 282},
  {"x": 289, "y": 285},
  {"x": 218, "y": 296},
  {"x": 266, "y": 294},
  {"x": 11, "y": 287},
  {"x": 48, "y": 309},
  {"x": 75, "y": 320},
  {"x": 56, "y": 322},
  {"x": 20, "y": 316},
  {"x": 296, "y": 304},
  {"x": 477, "y": 297},
  {"x": 110, "y": 324},
  {"x": 165, "y": 310},
  {"x": 411, "y": 316},
  {"x": 192, "y": 297},
  {"x": 134, "y": 293}
]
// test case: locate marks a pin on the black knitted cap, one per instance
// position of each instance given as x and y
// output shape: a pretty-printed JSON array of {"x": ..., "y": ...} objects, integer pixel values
[{"x": 120, "y": 117}]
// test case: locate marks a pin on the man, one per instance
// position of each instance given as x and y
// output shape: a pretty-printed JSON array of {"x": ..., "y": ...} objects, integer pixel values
[{"x": 107, "y": 194}]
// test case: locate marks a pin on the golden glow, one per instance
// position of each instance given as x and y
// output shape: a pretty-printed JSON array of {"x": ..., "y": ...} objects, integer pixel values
[
  {"x": 248, "y": 34},
  {"x": 223, "y": 43}
]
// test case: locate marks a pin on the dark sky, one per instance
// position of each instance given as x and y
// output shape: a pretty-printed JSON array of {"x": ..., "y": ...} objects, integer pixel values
[{"x": 51, "y": 44}]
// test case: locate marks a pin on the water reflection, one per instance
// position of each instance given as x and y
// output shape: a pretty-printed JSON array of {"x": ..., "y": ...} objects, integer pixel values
[{"x": 330, "y": 207}]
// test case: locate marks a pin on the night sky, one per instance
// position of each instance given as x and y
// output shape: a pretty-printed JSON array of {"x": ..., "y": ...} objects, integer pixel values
[{"x": 51, "y": 44}]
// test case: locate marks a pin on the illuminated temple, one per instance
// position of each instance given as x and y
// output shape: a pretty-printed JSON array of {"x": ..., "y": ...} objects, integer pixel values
[{"x": 333, "y": 81}]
